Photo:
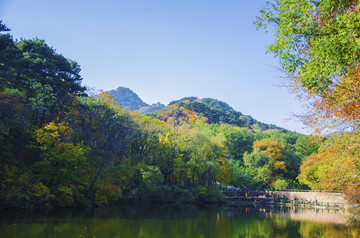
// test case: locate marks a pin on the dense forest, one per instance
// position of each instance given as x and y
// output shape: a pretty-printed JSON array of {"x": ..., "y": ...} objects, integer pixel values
[{"x": 63, "y": 148}]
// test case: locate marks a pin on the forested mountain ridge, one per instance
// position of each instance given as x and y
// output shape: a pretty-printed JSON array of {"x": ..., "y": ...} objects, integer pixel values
[
  {"x": 188, "y": 110},
  {"x": 212, "y": 111}
]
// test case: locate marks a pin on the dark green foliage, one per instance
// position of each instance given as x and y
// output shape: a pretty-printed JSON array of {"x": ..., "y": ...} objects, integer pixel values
[
  {"x": 166, "y": 193},
  {"x": 34, "y": 60},
  {"x": 3, "y": 27},
  {"x": 209, "y": 194},
  {"x": 47, "y": 79},
  {"x": 10, "y": 56},
  {"x": 239, "y": 141},
  {"x": 13, "y": 125}
]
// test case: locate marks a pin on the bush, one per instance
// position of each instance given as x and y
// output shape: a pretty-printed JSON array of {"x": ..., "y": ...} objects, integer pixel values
[
  {"x": 280, "y": 184},
  {"x": 209, "y": 194}
]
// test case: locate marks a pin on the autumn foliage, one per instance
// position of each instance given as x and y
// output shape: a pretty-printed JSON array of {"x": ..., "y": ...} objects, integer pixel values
[
  {"x": 62, "y": 148},
  {"x": 318, "y": 45}
]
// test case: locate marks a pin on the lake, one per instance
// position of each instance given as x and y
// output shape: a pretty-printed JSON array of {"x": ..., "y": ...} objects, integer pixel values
[{"x": 161, "y": 221}]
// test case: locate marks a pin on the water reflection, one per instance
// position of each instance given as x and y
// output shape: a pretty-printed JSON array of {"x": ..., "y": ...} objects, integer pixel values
[{"x": 158, "y": 221}]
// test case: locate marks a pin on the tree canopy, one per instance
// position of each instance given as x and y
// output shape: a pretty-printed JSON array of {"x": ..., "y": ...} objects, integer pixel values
[
  {"x": 317, "y": 40},
  {"x": 319, "y": 47},
  {"x": 60, "y": 147}
]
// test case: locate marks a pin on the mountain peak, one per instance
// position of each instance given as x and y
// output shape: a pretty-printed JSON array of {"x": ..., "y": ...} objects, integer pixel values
[
  {"x": 132, "y": 102},
  {"x": 127, "y": 98}
]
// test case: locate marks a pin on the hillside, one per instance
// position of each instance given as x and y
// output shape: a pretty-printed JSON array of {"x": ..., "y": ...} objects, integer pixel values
[
  {"x": 127, "y": 98},
  {"x": 132, "y": 102},
  {"x": 152, "y": 108},
  {"x": 188, "y": 110},
  {"x": 191, "y": 109}
]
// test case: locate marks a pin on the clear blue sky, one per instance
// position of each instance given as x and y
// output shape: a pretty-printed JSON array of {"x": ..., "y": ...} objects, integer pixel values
[{"x": 165, "y": 49}]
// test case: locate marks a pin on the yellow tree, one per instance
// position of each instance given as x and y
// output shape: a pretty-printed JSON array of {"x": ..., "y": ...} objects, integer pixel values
[
  {"x": 275, "y": 150},
  {"x": 63, "y": 168},
  {"x": 336, "y": 166}
]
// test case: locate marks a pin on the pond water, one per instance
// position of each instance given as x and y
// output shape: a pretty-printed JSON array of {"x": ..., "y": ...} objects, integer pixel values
[{"x": 162, "y": 221}]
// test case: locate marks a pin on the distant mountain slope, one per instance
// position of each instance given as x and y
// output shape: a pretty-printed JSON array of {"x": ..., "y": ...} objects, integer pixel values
[
  {"x": 190, "y": 109},
  {"x": 152, "y": 108},
  {"x": 127, "y": 98},
  {"x": 132, "y": 102}
]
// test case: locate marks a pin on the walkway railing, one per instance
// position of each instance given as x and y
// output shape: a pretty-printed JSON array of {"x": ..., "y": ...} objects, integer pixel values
[
  {"x": 304, "y": 190},
  {"x": 232, "y": 188}
]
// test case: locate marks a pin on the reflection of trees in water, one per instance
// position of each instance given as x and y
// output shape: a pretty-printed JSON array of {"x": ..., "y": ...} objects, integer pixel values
[
  {"x": 157, "y": 221},
  {"x": 313, "y": 229}
]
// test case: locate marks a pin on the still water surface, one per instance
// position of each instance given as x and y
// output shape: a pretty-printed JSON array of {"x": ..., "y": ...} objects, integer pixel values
[{"x": 162, "y": 221}]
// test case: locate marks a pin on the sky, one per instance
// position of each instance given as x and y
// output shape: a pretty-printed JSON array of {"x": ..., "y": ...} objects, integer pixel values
[{"x": 164, "y": 50}]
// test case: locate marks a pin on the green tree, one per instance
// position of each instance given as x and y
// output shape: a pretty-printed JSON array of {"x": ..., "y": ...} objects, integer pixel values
[
  {"x": 42, "y": 63},
  {"x": 107, "y": 133},
  {"x": 318, "y": 40},
  {"x": 208, "y": 163},
  {"x": 307, "y": 145},
  {"x": 258, "y": 162},
  {"x": 10, "y": 55},
  {"x": 238, "y": 140},
  {"x": 244, "y": 176}
]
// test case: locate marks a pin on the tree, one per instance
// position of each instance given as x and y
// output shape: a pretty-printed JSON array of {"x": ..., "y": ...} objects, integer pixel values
[
  {"x": 10, "y": 55},
  {"x": 35, "y": 60},
  {"x": 338, "y": 107},
  {"x": 47, "y": 79},
  {"x": 307, "y": 145},
  {"x": 238, "y": 140},
  {"x": 318, "y": 40},
  {"x": 271, "y": 161},
  {"x": 275, "y": 151},
  {"x": 207, "y": 160},
  {"x": 13, "y": 126},
  {"x": 42, "y": 63},
  {"x": 244, "y": 176},
  {"x": 64, "y": 163},
  {"x": 107, "y": 133},
  {"x": 335, "y": 167},
  {"x": 318, "y": 45},
  {"x": 260, "y": 166}
]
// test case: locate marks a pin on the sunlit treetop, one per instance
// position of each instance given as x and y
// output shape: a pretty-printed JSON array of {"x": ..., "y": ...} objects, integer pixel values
[{"x": 316, "y": 40}]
